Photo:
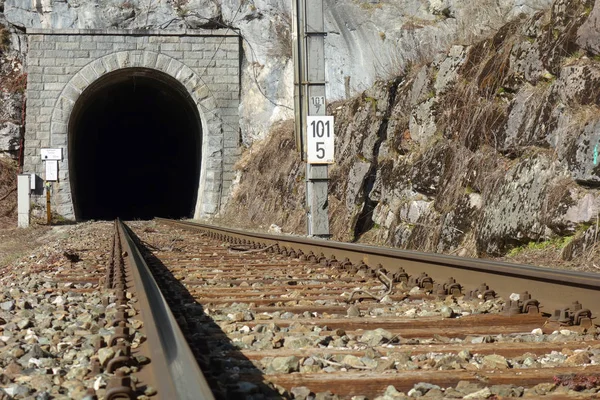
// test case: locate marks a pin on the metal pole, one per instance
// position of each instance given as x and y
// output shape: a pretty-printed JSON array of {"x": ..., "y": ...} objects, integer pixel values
[
  {"x": 297, "y": 54},
  {"x": 48, "y": 211},
  {"x": 309, "y": 52}
]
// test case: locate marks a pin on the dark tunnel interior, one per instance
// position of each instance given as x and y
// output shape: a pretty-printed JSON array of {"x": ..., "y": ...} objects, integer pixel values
[{"x": 134, "y": 148}]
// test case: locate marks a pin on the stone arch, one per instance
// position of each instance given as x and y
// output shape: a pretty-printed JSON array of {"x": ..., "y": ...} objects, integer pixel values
[{"x": 212, "y": 134}]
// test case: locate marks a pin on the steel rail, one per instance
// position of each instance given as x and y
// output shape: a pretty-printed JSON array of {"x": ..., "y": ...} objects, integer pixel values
[
  {"x": 553, "y": 288},
  {"x": 177, "y": 373}
]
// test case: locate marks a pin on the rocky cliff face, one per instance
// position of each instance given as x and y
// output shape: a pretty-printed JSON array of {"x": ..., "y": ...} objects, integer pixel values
[
  {"x": 12, "y": 91},
  {"x": 487, "y": 148},
  {"x": 366, "y": 38},
  {"x": 12, "y": 101}
]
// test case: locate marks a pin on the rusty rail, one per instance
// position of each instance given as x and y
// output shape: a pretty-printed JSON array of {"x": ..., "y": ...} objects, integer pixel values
[
  {"x": 555, "y": 290},
  {"x": 273, "y": 315},
  {"x": 176, "y": 374}
]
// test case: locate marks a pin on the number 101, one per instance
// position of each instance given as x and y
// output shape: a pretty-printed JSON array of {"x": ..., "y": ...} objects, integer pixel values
[{"x": 321, "y": 128}]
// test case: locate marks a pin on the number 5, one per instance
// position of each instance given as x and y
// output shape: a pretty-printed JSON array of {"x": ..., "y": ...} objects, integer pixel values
[{"x": 320, "y": 150}]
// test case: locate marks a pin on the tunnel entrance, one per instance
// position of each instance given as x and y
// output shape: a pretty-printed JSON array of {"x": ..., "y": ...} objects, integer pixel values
[{"x": 134, "y": 148}]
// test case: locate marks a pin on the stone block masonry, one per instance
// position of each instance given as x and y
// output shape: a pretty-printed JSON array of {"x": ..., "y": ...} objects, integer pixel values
[{"x": 61, "y": 64}]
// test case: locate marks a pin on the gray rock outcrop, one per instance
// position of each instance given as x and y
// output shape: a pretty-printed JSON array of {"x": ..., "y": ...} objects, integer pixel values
[
  {"x": 10, "y": 135},
  {"x": 13, "y": 81},
  {"x": 487, "y": 149},
  {"x": 490, "y": 146}
]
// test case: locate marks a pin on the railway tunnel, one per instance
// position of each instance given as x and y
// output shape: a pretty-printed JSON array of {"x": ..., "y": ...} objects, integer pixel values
[
  {"x": 146, "y": 122},
  {"x": 134, "y": 147}
]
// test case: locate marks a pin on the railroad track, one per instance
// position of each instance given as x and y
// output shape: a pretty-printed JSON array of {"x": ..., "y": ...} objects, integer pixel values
[{"x": 273, "y": 317}]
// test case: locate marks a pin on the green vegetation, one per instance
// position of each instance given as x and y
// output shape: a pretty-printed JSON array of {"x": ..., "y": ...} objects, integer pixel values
[
  {"x": 362, "y": 158},
  {"x": 582, "y": 228},
  {"x": 576, "y": 55},
  {"x": 367, "y": 5},
  {"x": 555, "y": 33},
  {"x": 58, "y": 219},
  {"x": 372, "y": 101},
  {"x": 556, "y": 244},
  {"x": 548, "y": 79}
]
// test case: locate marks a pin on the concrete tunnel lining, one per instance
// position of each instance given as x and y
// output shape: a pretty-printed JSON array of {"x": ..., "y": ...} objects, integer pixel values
[{"x": 135, "y": 147}]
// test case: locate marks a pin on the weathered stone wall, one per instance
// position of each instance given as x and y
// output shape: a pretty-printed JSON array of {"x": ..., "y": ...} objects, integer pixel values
[{"x": 62, "y": 64}]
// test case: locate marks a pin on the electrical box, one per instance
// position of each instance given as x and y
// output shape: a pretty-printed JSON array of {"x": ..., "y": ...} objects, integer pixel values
[{"x": 23, "y": 189}]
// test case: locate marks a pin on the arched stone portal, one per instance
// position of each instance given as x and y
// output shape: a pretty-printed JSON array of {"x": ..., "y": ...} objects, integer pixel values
[
  {"x": 161, "y": 105},
  {"x": 135, "y": 147}
]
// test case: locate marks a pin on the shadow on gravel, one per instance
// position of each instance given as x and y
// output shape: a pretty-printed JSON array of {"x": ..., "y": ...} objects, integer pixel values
[{"x": 225, "y": 371}]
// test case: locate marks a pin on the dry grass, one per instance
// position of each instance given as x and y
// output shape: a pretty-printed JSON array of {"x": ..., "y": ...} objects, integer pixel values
[
  {"x": 472, "y": 112},
  {"x": 8, "y": 193},
  {"x": 13, "y": 82},
  {"x": 271, "y": 187},
  {"x": 4, "y": 39},
  {"x": 582, "y": 116},
  {"x": 16, "y": 242}
]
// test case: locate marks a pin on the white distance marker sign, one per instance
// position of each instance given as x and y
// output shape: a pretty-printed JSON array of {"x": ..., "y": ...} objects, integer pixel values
[{"x": 320, "y": 139}]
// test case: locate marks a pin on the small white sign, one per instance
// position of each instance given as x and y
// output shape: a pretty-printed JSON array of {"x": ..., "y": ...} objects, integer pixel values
[
  {"x": 320, "y": 140},
  {"x": 51, "y": 170},
  {"x": 52, "y": 154},
  {"x": 316, "y": 102}
]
